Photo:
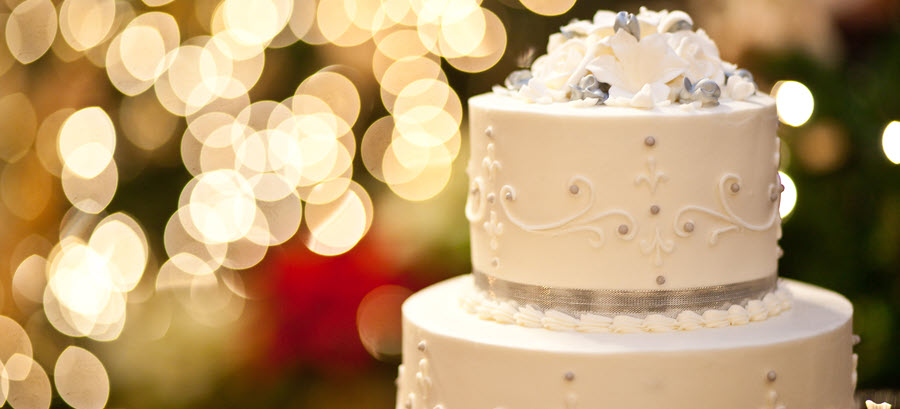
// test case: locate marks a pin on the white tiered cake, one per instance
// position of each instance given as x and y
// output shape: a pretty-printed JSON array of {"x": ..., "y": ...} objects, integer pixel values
[{"x": 624, "y": 222}]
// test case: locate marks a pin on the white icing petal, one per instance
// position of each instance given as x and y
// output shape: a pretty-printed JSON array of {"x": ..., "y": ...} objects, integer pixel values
[
  {"x": 505, "y": 313},
  {"x": 558, "y": 321},
  {"x": 659, "y": 323},
  {"x": 529, "y": 316},
  {"x": 470, "y": 302},
  {"x": 757, "y": 310},
  {"x": 485, "y": 310},
  {"x": 739, "y": 88},
  {"x": 689, "y": 321},
  {"x": 700, "y": 54},
  {"x": 593, "y": 323},
  {"x": 772, "y": 304},
  {"x": 624, "y": 324},
  {"x": 716, "y": 318},
  {"x": 873, "y": 405},
  {"x": 636, "y": 63},
  {"x": 737, "y": 315}
]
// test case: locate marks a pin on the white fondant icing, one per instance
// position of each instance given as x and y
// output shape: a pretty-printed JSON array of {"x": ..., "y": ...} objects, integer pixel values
[
  {"x": 479, "y": 364},
  {"x": 550, "y": 226}
]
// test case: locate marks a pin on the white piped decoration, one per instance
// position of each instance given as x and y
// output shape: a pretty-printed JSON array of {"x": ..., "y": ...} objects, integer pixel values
[
  {"x": 593, "y": 323},
  {"x": 529, "y": 317},
  {"x": 716, "y": 318},
  {"x": 509, "y": 312},
  {"x": 624, "y": 324},
  {"x": 558, "y": 321},
  {"x": 659, "y": 323},
  {"x": 689, "y": 321},
  {"x": 737, "y": 315}
]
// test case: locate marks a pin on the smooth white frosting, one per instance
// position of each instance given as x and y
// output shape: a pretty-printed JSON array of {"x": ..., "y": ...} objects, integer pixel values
[
  {"x": 523, "y": 175},
  {"x": 642, "y": 72},
  {"x": 474, "y": 363}
]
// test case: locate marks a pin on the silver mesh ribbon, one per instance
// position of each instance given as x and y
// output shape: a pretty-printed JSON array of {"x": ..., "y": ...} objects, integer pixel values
[{"x": 578, "y": 301}]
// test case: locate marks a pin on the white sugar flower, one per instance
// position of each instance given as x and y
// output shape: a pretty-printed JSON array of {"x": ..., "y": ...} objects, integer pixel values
[
  {"x": 638, "y": 71},
  {"x": 650, "y": 20},
  {"x": 564, "y": 65},
  {"x": 739, "y": 88},
  {"x": 702, "y": 54},
  {"x": 873, "y": 405}
]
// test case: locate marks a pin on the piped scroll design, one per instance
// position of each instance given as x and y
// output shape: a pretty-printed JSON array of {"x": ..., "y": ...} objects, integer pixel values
[
  {"x": 657, "y": 245},
  {"x": 579, "y": 221},
  {"x": 653, "y": 177},
  {"x": 727, "y": 214}
]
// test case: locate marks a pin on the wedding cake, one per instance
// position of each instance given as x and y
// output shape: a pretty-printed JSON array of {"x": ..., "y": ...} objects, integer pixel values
[{"x": 624, "y": 219}]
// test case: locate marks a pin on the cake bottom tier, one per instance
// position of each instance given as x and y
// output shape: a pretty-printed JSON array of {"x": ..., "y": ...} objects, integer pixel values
[{"x": 800, "y": 359}]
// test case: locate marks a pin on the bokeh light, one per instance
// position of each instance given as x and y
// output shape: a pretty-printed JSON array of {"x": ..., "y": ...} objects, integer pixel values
[
  {"x": 378, "y": 320},
  {"x": 85, "y": 23},
  {"x": 262, "y": 172},
  {"x": 30, "y": 29},
  {"x": 794, "y": 102},
  {"x": 81, "y": 379},
  {"x": 788, "y": 196},
  {"x": 337, "y": 226},
  {"x": 29, "y": 386},
  {"x": 87, "y": 142},
  {"x": 890, "y": 142},
  {"x": 548, "y": 7}
]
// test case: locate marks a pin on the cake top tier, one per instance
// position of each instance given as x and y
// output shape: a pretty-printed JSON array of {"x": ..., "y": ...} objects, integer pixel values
[{"x": 647, "y": 60}]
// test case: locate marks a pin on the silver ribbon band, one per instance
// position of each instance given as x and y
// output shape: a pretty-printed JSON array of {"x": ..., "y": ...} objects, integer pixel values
[{"x": 578, "y": 301}]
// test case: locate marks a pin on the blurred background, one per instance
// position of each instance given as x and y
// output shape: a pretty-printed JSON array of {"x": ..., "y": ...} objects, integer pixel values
[{"x": 223, "y": 203}]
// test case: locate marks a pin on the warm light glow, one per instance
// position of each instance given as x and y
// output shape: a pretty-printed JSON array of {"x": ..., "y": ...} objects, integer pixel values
[
  {"x": 87, "y": 142},
  {"x": 142, "y": 52},
  {"x": 378, "y": 320},
  {"x": 794, "y": 102},
  {"x": 80, "y": 279},
  {"x": 122, "y": 242},
  {"x": 31, "y": 387},
  {"x": 890, "y": 141},
  {"x": 47, "y": 140},
  {"x": 30, "y": 29},
  {"x": 337, "y": 226},
  {"x": 30, "y": 279},
  {"x": 548, "y": 7},
  {"x": 94, "y": 194},
  {"x": 81, "y": 379},
  {"x": 222, "y": 206},
  {"x": 14, "y": 340},
  {"x": 788, "y": 197},
  {"x": 85, "y": 23}
]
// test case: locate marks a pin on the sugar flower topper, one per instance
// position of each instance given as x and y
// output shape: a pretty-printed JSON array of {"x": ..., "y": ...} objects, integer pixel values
[{"x": 650, "y": 59}]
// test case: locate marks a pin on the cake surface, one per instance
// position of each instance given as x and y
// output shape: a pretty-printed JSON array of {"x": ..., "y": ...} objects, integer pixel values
[
  {"x": 799, "y": 359},
  {"x": 623, "y": 198}
]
